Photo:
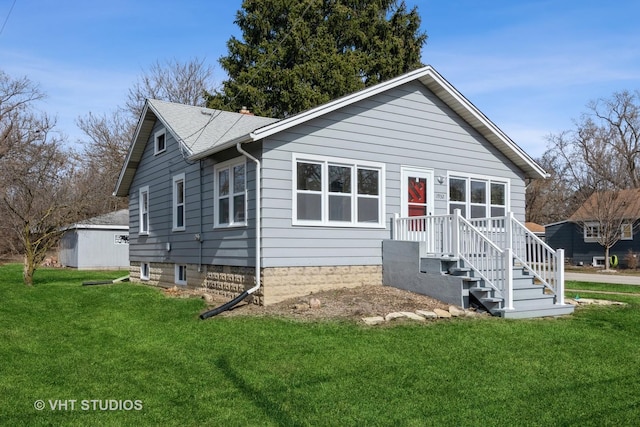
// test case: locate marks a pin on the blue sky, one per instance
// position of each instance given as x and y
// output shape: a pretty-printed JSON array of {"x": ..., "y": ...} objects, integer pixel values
[{"x": 530, "y": 66}]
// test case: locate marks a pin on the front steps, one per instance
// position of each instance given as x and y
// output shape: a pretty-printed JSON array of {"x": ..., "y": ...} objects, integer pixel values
[{"x": 445, "y": 277}]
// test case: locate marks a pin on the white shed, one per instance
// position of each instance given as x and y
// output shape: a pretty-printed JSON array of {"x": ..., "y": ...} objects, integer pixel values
[{"x": 101, "y": 242}]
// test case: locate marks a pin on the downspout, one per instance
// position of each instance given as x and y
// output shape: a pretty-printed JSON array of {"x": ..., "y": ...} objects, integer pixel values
[{"x": 228, "y": 305}]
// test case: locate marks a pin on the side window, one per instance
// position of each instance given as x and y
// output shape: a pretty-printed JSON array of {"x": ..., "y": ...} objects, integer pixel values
[
  {"x": 144, "y": 210},
  {"x": 230, "y": 193},
  {"x": 178, "y": 202}
]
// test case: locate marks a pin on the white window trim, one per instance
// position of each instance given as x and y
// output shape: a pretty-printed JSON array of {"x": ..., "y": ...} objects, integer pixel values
[
  {"x": 177, "y": 279},
  {"x": 594, "y": 238},
  {"x": 229, "y": 164},
  {"x": 142, "y": 222},
  {"x": 489, "y": 180},
  {"x": 158, "y": 134},
  {"x": 142, "y": 268},
  {"x": 174, "y": 204},
  {"x": 355, "y": 164}
]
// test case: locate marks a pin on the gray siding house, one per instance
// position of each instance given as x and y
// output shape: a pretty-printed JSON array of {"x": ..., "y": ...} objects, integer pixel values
[
  {"x": 217, "y": 198},
  {"x": 101, "y": 242}
]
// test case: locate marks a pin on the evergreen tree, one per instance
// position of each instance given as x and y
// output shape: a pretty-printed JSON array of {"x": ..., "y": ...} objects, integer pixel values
[{"x": 298, "y": 54}]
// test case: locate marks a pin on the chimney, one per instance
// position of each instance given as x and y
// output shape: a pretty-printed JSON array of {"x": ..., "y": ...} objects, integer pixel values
[{"x": 246, "y": 111}]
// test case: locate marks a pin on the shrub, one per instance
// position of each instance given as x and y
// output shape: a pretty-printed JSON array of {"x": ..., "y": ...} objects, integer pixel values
[{"x": 632, "y": 259}]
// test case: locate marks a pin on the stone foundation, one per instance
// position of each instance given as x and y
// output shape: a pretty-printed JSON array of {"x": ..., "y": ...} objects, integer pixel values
[{"x": 278, "y": 283}]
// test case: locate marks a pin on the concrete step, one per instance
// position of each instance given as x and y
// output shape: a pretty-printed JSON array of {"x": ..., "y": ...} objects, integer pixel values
[
  {"x": 540, "y": 311},
  {"x": 520, "y": 302}
]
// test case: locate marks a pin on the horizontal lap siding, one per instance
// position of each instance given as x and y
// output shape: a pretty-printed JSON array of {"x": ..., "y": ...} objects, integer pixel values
[
  {"x": 234, "y": 246},
  {"x": 407, "y": 126}
]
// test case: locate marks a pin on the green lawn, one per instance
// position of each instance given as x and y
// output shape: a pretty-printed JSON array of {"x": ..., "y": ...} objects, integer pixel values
[{"x": 118, "y": 344}]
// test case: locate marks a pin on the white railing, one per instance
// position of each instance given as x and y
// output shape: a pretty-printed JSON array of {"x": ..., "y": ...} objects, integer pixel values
[
  {"x": 489, "y": 246},
  {"x": 543, "y": 262}
]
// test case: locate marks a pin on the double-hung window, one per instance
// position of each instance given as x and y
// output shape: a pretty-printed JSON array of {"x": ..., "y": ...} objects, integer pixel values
[
  {"x": 178, "y": 202},
  {"x": 230, "y": 193},
  {"x": 337, "y": 192},
  {"x": 143, "y": 200},
  {"x": 478, "y": 197}
]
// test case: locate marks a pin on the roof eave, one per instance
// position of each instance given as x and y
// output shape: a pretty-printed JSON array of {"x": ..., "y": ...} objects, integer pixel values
[{"x": 224, "y": 146}]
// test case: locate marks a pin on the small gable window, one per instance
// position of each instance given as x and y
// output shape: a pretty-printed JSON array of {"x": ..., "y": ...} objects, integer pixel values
[{"x": 160, "y": 143}]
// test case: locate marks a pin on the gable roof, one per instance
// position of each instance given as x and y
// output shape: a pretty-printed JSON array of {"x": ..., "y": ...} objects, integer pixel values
[
  {"x": 195, "y": 128},
  {"x": 624, "y": 204},
  {"x": 204, "y": 132}
]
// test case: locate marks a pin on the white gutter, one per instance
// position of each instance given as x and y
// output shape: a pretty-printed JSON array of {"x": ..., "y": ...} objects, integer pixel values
[{"x": 258, "y": 166}]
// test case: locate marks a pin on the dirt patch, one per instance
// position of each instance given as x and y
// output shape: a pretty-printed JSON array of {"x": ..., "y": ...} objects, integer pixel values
[{"x": 345, "y": 303}]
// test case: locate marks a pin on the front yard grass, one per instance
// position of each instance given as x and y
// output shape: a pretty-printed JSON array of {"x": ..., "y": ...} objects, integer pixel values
[{"x": 60, "y": 341}]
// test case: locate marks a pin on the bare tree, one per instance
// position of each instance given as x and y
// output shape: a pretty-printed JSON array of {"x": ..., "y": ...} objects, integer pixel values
[
  {"x": 184, "y": 83},
  {"x": 16, "y": 96},
  {"x": 604, "y": 147},
  {"x": 40, "y": 196},
  {"x": 110, "y": 136},
  {"x": 551, "y": 199}
]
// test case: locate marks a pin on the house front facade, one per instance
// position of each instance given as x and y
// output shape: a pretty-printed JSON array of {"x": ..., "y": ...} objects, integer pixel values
[{"x": 220, "y": 200}]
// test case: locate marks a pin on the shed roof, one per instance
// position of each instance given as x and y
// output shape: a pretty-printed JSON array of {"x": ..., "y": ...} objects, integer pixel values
[{"x": 118, "y": 220}]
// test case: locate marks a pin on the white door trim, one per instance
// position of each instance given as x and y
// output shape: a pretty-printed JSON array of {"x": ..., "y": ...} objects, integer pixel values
[{"x": 412, "y": 171}]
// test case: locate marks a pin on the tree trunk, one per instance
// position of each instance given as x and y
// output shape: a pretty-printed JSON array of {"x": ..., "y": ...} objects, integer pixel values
[
  {"x": 607, "y": 261},
  {"x": 28, "y": 269}
]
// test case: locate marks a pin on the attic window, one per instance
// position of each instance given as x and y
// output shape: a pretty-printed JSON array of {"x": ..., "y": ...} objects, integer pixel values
[{"x": 160, "y": 144}]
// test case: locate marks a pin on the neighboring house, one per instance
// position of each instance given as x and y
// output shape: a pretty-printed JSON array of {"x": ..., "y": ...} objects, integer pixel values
[
  {"x": 536, "y": 229},
  {"x": 316, "y": 193},
  {"x": 101, "y": 242},
  {"x": 579, "y": 235}
]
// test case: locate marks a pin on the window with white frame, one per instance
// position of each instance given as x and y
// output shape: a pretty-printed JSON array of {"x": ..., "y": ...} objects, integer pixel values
[
  {"x": 144, "y": 210},
  {"x": 230, "y": 193},
  {"x": 144, "y": 271},
  {"x": 337, "y": 192},
  {"x": 592, "y": 231},
  {"x": 178, "y": 202},
  {"x": 180, "y": 274},
  {"x": 478, "y": 197},
  {"x": 160, "y": 143}
]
